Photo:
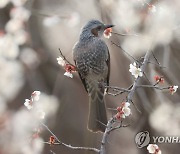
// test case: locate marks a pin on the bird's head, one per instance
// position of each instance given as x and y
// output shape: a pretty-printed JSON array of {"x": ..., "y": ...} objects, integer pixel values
[{"x": 94, "y": 28}]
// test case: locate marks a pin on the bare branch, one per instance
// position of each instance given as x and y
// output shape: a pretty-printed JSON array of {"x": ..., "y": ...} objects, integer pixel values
[
  {"x": 156, "y": 64},
  {"x": 153, "y": 86},
  {"x": 125, "y": 34},
  {"x": 118, "y": 88},
  {"x": 110, "y": 123},
  {"x": 146, "y": 58},
  {"x": 63, "y": 57},
  {"x": 125, "y": 51},
  {"x": 68, "y": 145}
]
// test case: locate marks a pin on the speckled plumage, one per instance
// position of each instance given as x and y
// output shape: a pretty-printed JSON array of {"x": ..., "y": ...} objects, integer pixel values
[{"x": 91, "y": 56}]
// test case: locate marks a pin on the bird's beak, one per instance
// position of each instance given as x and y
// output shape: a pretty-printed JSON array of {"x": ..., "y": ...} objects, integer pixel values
[{"x": 108, "y": 26}]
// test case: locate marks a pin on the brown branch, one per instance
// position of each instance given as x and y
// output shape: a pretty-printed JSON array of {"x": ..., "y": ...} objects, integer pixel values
[
  {"x": 153, "y": 86},
  {"x": 105, "y": 135},
  {"x": 64, "y": 58},
  {"x": 67, "y": 145},
  {"x": 118, "y": 88}
]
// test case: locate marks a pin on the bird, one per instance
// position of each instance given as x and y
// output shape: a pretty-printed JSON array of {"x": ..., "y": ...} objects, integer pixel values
[{"x": 92, "y": 61}]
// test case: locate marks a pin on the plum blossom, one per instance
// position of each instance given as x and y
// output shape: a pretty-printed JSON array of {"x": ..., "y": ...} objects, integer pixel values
[
  {"x": 20, "y": 37},
  {"x": 52, "y": 140},
  {"x": 14, "y": 25},
  {"x": 74, "y": 19},
  {"x": 136, "y": 72},
  {"x": 61, "y": 61},
  {"x": 159, "y": 79},
  {"x": 173, "y": 89},
  {"x": 126, "y": 110},
  {"x": 28, "y": 104},
  {"x": 40, "y": 114},
  {"x": 9, "y": 47},
  {"x": 35, "y": 95},
  {"x": 152, "y": 8},
  {"x": 108, "y": 33},
  {"x": 123, "y": 111},
  {"x": 18, "y": 2},
  {"x": 69, "y": 68},
  {"x": 29, "y": 57},
  {"x": 3, "y": 3},
  {"x": 51, "y": 21},
  {"x": 68, "y": 74},
  {"x": 154, "y": 149},
  {"x": 20, "y": 13}
]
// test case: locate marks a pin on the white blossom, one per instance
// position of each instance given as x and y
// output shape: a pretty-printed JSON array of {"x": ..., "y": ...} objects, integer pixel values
[
  {"x": 74, "y": 19},
  {"x": 11, "y": 75},
  {"x": 136, "y": 72},
  {"x": 35, "y": 95},
  {"x": 14, "y": 25},
  {"x": 153, "y": 148},
  {"x": 107, "y": 36},
  {"x": 107, "y": 33},
  {"x": 3, "y": 3},
  {"x": 48, "y": 104},
  {"x": 174, "y": 89},
  {"x": 126, "y": 110},
  {"x": 28, "y": 104},
  {"x": 68, "y": 74},
  {"x": 18, "y": 2},
  {"x": 8, "y": 46},
  {"x": 20, "y": 13},
  {"x": 29, "y": 57},
  {"x": 51, "y": 21},
  {"x": 153, "y": 9},
  {"x": 61, "y": 61},
  {"x": 41, "y": 114},
  {"x": 126, "y": 104},
  {"x": 20, "y": 37}
]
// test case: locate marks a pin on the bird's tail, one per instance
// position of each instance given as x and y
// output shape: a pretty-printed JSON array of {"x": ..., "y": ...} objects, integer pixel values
[{"x": 97, "y": 108}]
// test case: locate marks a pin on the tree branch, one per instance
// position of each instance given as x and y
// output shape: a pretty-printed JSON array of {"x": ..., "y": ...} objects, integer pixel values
[
  {"x": 110, "y": 123},
  {"x": 67, "y": 145},
  {"x": 143, "y": 66}
]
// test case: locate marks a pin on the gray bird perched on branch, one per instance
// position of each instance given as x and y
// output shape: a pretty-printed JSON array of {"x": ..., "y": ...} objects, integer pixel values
[{"x": 92, "y": 59}]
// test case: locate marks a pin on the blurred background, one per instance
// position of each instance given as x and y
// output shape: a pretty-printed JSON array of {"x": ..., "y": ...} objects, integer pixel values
[{"x": 31, "y": 31}]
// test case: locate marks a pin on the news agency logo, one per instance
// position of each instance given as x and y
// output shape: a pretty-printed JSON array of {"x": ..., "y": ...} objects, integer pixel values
[{"x": 142, "y": 139}]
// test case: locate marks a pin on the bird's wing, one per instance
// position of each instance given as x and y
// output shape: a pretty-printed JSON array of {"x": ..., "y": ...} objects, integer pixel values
[
  {"x": 108, "y": 65},
  {"x": 82, "y": 79}
]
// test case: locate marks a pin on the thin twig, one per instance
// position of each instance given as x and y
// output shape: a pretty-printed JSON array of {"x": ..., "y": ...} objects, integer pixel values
[
  {"x": 120, "y": 126},
  {"x": 155, "y": 58},
  {"x": 68, "y": 145},
  {"x": 45, "y": 126},
  {"x": 118, "y": 88},
  {"x": 115, "y": 94},
  {"x": 153, "y": 86},
  {"x": 124, "y": 51},
  {"x": 156, "y": 64},
  {"x": 64, "y": 58},
  {"x": 125, "y": 34},
  {"x": 146, "y": 77}
]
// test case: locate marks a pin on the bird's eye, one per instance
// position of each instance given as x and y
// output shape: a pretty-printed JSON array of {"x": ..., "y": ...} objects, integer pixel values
[
  {"x": 96, "y": 30},
  {"x": 99, "y": 27}
]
